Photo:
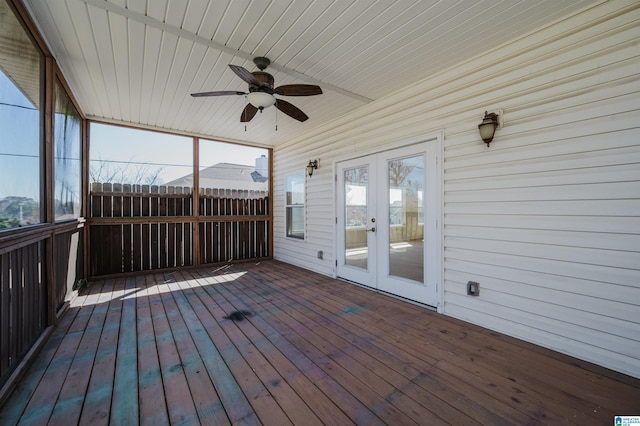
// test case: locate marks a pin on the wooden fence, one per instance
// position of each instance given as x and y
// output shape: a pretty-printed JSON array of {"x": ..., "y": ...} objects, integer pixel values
[
  {"x": 140, "y": 227},
  {"x": 233, "y": 225}
]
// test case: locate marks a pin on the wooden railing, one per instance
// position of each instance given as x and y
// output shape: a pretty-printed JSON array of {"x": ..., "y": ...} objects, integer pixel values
[
  {"x": 31, "y": 289},
  {"x": 23, "y": 299},
  {"x": 140, "y": 227}
]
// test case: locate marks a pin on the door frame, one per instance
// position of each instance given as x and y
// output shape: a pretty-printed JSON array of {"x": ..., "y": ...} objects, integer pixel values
[{"x": 438, "y": 177}]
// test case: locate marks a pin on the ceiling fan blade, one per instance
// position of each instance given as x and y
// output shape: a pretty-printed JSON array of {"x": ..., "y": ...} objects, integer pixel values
[
  {"x": 244, "y": 74},
  {"x": 218, "y": 93},
  {"x": 291, "y": 110},
  {"x": 298, "y": 90},
  {"x": 248, "y": 113}
]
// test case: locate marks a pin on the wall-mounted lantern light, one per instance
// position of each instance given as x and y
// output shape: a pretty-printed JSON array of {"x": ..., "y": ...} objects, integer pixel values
[
  {"x": 490, "y": 123},
  {"x": 313, "y": 165}
]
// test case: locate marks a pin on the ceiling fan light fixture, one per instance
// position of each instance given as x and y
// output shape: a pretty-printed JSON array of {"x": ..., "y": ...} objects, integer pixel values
[{"x": 261, "y": 100}]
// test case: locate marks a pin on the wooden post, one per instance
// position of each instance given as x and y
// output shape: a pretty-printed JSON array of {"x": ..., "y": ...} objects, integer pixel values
[
  {"x": 46, "y": 165},
  {"x": 195, "y": 204}
]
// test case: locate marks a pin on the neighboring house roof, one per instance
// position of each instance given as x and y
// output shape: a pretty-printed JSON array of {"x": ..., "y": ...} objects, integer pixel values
[{"x": 226, "y": 176}]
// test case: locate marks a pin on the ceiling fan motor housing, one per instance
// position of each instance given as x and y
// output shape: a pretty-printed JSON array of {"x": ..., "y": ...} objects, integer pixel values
[{"x": 261, "y": 62}]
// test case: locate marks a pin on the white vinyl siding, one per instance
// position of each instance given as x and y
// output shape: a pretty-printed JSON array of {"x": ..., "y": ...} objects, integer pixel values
[{"x": 547, "y": 219}]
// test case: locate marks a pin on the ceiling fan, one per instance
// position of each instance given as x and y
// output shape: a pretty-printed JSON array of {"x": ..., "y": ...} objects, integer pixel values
[{"x": 261, "y": 92}]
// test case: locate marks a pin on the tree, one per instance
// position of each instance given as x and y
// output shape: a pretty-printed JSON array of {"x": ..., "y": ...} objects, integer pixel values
[
  {"x": 103, "y": 171},
  {"x": 9, "y": 222},
  {"x": 398, "y": 172}
]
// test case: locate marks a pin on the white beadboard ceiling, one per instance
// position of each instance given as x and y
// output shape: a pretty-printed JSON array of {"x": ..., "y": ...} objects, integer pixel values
[{"x": 137, "y": 61}]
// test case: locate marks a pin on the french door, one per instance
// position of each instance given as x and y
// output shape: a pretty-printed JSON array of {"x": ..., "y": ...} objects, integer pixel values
[{"x": 387, "y": 221}]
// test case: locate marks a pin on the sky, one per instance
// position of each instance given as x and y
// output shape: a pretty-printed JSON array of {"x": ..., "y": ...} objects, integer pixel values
[
  {"x": 19, "y": 143},
  {"x": 172, "y": 154}
]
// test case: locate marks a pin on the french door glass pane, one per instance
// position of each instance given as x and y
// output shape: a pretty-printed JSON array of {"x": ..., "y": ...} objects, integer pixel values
[
  {"x": 356, "y": 186},
  {"x": 406, "y": 223}
]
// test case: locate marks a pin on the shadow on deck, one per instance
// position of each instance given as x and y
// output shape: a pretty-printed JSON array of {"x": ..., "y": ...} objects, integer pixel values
[{"x": 275, "y": 344}]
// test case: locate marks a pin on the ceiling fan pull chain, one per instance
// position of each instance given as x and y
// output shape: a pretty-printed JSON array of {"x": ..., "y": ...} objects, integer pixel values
[{"x": 276, "y": 119}]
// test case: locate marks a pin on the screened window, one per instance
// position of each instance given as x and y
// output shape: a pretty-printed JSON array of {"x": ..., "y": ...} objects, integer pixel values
[
  {"x": 295, "y": 206},
  {"x": 226, "y": 166},
  {"x": 20, "y": 124},
  {"x": 123, "y": 155},
  {"x": 142, "y": 170},
  {"x": 67, "y": 125}
]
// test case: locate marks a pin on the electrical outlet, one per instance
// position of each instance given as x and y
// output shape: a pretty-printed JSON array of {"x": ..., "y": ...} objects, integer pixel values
[
  {"x": 320, "y": 254},
  {"x": 473, "y": 288}
]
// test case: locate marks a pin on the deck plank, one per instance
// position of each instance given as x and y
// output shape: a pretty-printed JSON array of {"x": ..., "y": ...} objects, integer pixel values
[
  {"x": 153, "y": 409},
  {"x": 68, "y": 407},
  {"x": 180, "y": 405},
  {"x": 125, "y": 386},
  {"x": 186, "y": 327},
  {"x": 162, "y": 348},
  {"x": 97, "y": 402}
]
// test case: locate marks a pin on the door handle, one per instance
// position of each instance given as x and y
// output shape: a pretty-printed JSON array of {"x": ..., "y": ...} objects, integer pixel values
[{"x": 373, "y": 229}]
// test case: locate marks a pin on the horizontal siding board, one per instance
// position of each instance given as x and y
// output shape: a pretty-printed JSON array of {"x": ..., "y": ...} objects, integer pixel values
[
  {"x": 578, "y": 255},
  {"x": 609, "y": 225},
  {"x": 618, "y": 317},
  {"x": 584, "y": 271},
  {"x": 584, "y": 174},
  {"x": 562, "y": 287},
  {"x": 588, "y": 191},
  {"x": 599, "y": 240},
  {"x": 611, "y": 208}
]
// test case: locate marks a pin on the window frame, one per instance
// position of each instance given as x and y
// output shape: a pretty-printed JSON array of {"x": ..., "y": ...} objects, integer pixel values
[
  {"x": 60, "y": 88},
  {"x": 42, "y": 96},
  {"x": 290, "y": 206}
]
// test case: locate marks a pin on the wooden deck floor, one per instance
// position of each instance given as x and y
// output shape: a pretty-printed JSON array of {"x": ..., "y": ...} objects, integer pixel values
[{"x": 167, "y": 349}]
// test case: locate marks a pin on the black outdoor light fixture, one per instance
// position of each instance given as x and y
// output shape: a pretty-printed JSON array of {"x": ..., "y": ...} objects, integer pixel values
[
  {"x": 488, "y": 127},
  {"x": 313, "y": 165}
]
